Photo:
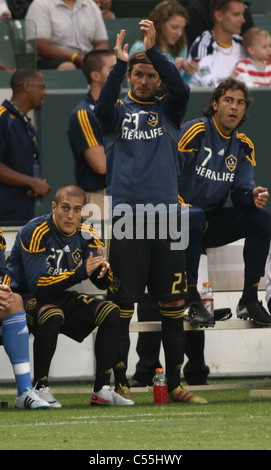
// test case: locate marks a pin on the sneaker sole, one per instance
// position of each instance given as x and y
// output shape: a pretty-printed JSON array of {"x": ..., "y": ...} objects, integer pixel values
[{"x": 246, "y": 316}]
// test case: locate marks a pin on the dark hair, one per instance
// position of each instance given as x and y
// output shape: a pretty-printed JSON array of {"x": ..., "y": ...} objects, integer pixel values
[
  {"x": 93, "y": 60},
  {"x": 221, "y": 4},
  {"x": 71, "y": 190},
  {"x": 21, "y": 76},
  {"x": 220, "y": 90},
  {"x": 139, "y": 57},
  {"x": 161, "y": 13}
]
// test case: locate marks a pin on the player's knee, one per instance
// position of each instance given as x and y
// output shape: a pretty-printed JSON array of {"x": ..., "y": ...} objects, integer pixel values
[
  {"x": 173, "y": 309},
  {"x": 53, "y": 315},
  {"x": 107, "y": 312},
  {"x": 264, "y": 221},
  {"x": 126, "y": 310}
]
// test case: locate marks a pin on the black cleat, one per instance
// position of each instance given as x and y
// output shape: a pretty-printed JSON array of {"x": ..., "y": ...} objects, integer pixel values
[
  {"x": 254, "y": 311},
  {"x": 222, "y": 314},
  {"x": 199, "y": 316}
]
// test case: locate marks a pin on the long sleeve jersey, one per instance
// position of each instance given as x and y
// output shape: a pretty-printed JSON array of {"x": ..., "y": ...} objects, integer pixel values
[
  {"x": 4, "y": 274},
  {"x": 141, "y": 138},
  {"x": 214, "y": 165},
  {"x": 44, "y": 261}
]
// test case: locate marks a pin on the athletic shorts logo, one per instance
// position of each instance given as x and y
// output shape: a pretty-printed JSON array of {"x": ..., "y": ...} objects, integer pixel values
[
  {"x": 115, "y": 285},
  {"x": 231, "y": 162},
  {"x": 31, "y": 304}
]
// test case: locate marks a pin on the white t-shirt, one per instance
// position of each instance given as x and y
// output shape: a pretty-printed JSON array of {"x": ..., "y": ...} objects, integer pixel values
[
  {"x": 216, "y": 67},
  {"x": 216, "y": 62},
  {"x": 73, "y": 29}
]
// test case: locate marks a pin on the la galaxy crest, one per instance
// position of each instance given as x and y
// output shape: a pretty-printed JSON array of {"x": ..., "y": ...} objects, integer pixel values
[
  {"x": 231, "y": 162},
  {"x": 76, "y": 255},
  {"x": 152, "y": 118}
]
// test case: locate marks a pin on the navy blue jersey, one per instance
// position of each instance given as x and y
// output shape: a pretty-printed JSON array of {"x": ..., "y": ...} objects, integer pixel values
[
  {"x": 141, "y": 138},
  {"x": 84, "y": 132},
  {"x": 19, "y": 151},
  {"x": 4, "y": 274},
  {"x": 214, "y": 165},
  {"x": 44, "y": 261}
]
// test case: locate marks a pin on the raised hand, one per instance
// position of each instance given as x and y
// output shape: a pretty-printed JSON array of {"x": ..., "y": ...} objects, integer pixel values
[
  {"x": 121, "y": 51},
  {"x": 149, "y": 33}
]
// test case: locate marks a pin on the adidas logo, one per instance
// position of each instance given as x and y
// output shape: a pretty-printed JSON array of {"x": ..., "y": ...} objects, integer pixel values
[
  {"x": 23, "y": 331},
  {"x": 221, "y": 152},
  {"x": 66, "y": 249},
  {"x": 96, "y": 400}
]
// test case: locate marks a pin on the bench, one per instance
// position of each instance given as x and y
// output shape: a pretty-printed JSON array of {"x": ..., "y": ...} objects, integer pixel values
[{"x": 222, "y": 266}]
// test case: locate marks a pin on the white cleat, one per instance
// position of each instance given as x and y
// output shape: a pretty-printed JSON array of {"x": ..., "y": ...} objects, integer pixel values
[
  {"x": 107, "y": 396},
  {"x": 45, "y": 394},
  {"x": 30, "y": 400}
]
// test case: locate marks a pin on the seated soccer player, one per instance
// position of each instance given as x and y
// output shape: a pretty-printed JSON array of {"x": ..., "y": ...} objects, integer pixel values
[
  {"x": 15, "y": 338},
  {"x": 218, "y": 162},
  {"x": 51, "y": 254}
]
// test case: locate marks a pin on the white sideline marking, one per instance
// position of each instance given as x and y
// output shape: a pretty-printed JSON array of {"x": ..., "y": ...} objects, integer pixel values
[{"x": 120, "y": 419}]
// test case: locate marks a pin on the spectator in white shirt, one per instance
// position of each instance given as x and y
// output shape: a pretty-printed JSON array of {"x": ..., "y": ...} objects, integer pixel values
[{"x": 66, "y": 31}]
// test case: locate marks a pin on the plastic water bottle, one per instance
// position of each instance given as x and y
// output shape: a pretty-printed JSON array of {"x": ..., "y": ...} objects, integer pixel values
[
  {"x": 160, "y": 390},
  {"x": 207, "y": 297}
]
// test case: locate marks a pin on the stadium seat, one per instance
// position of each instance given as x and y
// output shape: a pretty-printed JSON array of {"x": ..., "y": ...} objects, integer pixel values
[
  {"x": 23, "y": 37},
  {"x": 259, "y": 6},
  {"x": 7, "y": 57},
  {"x": 129, "y": 24},
  {"x": 263, "y": 21}
]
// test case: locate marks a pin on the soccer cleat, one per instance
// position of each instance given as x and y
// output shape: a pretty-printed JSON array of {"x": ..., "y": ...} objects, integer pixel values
[
  {"x": 30, "y": 400},
  {"x": 45, "y": 394},
  {"x": 124, "y": 391},
  {"x": 182, "y": 395},
  {"x": 107, "y": 396},
  {"x": 222, "y": 314},
  {"x": 255, "y": 311},
  {"x": 199, "y": 316}
]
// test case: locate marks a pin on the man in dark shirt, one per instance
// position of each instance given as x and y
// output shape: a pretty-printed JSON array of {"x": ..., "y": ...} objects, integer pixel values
[{"x": 21, "y": 183}]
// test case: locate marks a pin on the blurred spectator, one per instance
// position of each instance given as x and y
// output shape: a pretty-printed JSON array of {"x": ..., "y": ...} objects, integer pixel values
[
  {"x": 18, "y": 8},
  {"x": 255, "y": 69},
  {"x": 106, "y": 9},
  {"x": 201, "y": 19},
  {"x": 5, "y": 13},
  {"x": 219, "y": 50},
  {"x": 66, "y": 31},
  {"x": 170, "y": 18}
]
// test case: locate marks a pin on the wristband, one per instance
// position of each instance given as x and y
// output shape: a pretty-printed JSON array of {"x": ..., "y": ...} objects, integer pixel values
[{"x": 73, "y": 57}]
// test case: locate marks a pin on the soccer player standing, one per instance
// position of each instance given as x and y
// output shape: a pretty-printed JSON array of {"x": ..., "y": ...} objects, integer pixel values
[{"x": 140, "y": 136}]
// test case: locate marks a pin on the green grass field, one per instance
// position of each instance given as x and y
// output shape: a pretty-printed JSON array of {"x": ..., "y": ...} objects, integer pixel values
[{"x": 232, "y": 420}]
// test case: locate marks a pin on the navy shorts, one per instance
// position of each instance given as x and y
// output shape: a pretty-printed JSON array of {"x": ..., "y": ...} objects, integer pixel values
[
  {"x": 142, "y": 262},
  {"x": 79, "y": 312}
]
